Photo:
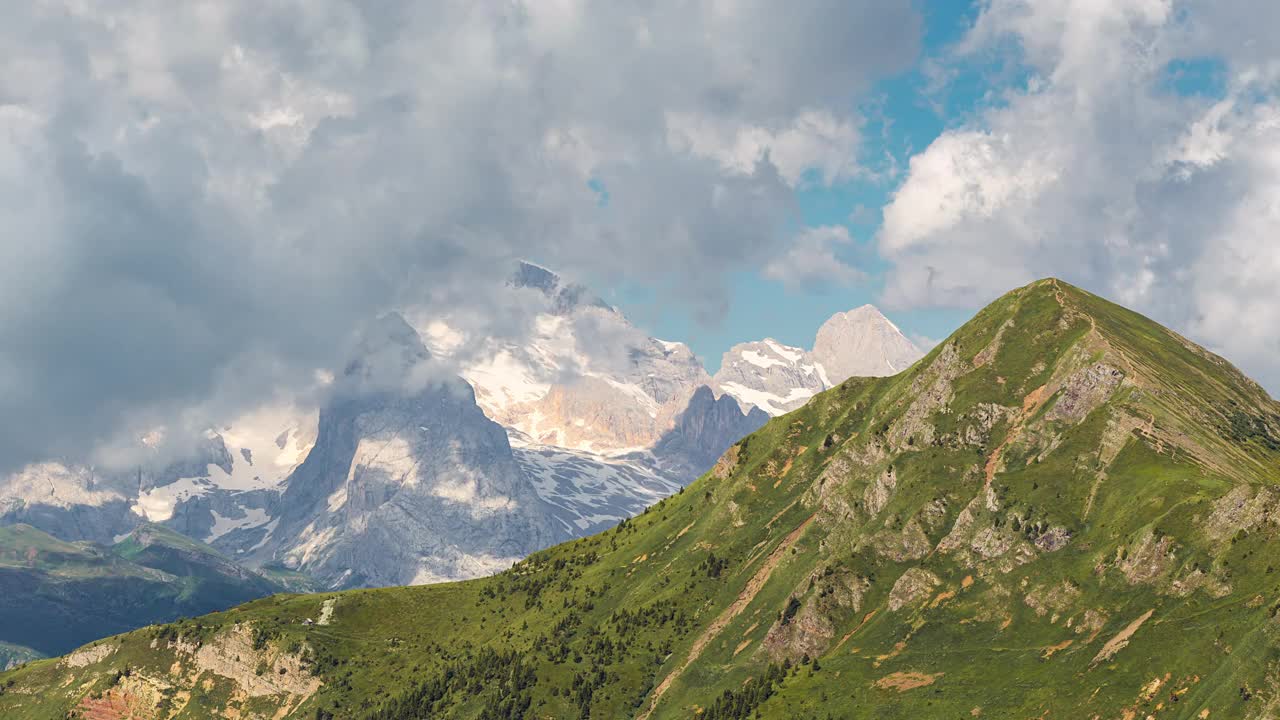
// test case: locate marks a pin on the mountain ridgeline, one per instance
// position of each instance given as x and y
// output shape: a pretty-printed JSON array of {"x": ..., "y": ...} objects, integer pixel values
[
  {"x": 60, "y": 595},
  {"x": 1063, "y": 511}
]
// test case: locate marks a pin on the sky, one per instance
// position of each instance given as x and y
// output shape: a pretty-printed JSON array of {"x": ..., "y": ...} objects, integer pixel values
[{"x": 202, "y": 203}]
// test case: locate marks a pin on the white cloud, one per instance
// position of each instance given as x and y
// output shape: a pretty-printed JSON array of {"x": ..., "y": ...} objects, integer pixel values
[
  {"x": 815, "y": 141},
  {"x": 1097, "y": 172},
  {"x": 198, "y": 202},
  {"x": 811, "y": 260}
]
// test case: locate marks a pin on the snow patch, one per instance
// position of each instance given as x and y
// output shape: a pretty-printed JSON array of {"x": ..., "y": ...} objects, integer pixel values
[
  {"x": 253, "y": 517},
  {"x": 769, "y": 402},
  {"x": 760, "y": 360},
  {"x": 158, "y": 504},
  {"x": 790, "y": 354},
  {"x": 56, "y": 485},
  {"x": 258, "y": 435}
]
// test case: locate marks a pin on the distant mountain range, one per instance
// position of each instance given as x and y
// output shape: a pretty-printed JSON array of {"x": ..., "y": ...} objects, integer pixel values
[{"x": 406, "y": 476}]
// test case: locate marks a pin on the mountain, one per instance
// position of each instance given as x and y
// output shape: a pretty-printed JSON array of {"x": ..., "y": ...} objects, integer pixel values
[
  {"x": 1063, "y": 511},
  {"x": 408, "y": 481},
  {"x": 219, "y": 493},
  {"x": 586, "y": 422},
  {"x": 773, "y": 377},
  {"x": 56, "y": 595},
  {"x": 779, "y": 378},
  {"x": 862, "y": 343},
  {"x": 586, "y": 379},
  {"x": 604, "y": 419}
]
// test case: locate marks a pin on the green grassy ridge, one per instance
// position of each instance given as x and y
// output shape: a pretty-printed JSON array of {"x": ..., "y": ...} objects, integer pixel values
[
  {"x": 590, "y": 627},
  {"x": 55, "y": 595}
]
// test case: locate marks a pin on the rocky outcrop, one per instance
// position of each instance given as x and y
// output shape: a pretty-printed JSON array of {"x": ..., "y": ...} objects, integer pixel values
[
  {"x": 913, "y": 587},
  {"x": 1083, "y": 391}
]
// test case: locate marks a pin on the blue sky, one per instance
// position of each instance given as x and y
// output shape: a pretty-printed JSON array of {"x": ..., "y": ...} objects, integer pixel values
[
  {"x": 904, "y": 114},
  {"x": 209, "y": 214}
]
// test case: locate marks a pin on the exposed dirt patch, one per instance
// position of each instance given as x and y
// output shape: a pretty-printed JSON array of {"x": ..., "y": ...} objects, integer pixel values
[
  {"x": 781, "y": 512},
  {"x": 865, "y": 619},
  {"x": 904, "y": 681},
  {"x": 1030, "y": 405},
  {"x": 1049, "y": 651},
  {"x": 898, "y": 647},
  {"x": 115, "y": 705},
  {"x": 1118, "y": 643},
  {"x": 133, "y": 698}
]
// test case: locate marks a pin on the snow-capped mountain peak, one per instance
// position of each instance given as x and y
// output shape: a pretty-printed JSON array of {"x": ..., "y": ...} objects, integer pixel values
[{"x": 779, "y": 378}]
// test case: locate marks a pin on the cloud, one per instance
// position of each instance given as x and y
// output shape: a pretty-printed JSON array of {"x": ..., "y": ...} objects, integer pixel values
[
  {"x": 1095, "y": 170},
  {"x": 924, "y": 342},
  {"x": 811, "y": 260},
  {"x": 200, "y": 203}
]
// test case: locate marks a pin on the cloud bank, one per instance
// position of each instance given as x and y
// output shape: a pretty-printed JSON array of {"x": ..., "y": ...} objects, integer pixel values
[
  {"x": 199, "y": 202},
  {"x": 1140, "y": 158}
]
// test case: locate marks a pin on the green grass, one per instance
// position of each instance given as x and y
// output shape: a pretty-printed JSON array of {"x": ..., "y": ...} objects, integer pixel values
[{"x": 590, "y": 627}]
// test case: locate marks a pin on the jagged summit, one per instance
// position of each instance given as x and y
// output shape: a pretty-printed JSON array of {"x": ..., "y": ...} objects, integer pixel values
[{"x": 565, "y": 297}]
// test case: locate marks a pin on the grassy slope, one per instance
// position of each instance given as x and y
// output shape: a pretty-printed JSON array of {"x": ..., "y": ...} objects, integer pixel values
[
  {"x": 57, "y": 595},
  {"x": 690, "y": 596}
]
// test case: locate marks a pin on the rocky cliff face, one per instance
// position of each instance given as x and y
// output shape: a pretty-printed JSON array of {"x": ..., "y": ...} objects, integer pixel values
[
  {"x": 707, "y": 427},
  {"x": 409, "y": 474},
  {"x": 404, "y": 485}
]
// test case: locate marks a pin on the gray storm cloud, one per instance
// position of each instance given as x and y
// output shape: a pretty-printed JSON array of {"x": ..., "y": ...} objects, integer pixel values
[{"x": 201, "y": 203}]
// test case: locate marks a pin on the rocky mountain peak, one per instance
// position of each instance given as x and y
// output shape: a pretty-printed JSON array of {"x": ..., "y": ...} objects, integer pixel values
[
  {"x": 862, "y": 343},
  {"x": 779, "y": 378},
  {"x": 388, "y": 351}
]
